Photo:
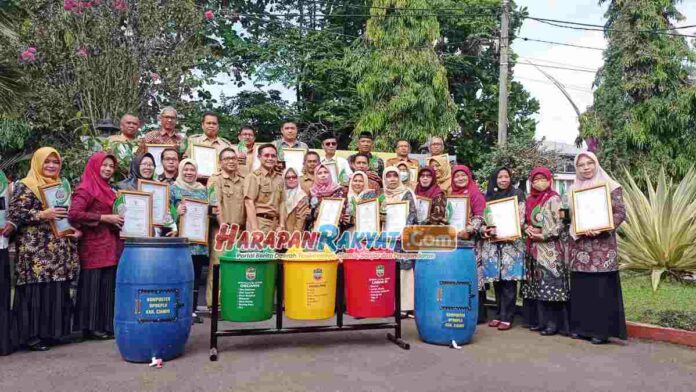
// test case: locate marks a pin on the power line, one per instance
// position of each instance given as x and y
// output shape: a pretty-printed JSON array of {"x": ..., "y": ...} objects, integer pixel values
[
  {"x": 558, "y": 63},
  {"x": 559, "y": 67},
  {"x": 560, "y": 43},
  {"x": 577, "y": 26}
]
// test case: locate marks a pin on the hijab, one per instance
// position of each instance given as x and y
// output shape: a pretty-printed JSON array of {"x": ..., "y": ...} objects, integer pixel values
[
  {"x": 293, "y": 196},
  {"x": 366, "y": 188},
  {"x": 182, "y": 183},
  {"x": 433, "y": 190},
  {"x": 538, "y": 198},
  {"x": 325, "y": 188},
  {"x": 478, "y": 202},
  {"x": 92, "y": 181},
  {"x": 397, "y": 193},
  {"x": 495, "y": 193},
  {"x": 131, "y": 183},
  {"x": 600, "y": 175},
  {"x": 444, "y": 180},
  {"x": 35, "y": 178}
]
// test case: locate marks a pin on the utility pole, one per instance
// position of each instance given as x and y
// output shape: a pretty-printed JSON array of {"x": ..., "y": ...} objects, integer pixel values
[{"x": 503, "y": 79}]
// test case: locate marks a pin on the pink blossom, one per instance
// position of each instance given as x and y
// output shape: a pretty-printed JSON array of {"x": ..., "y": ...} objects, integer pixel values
[
  {"x": 592, "y": 144},
  {"x": 154, "y": 76},
  {"x": 28, "y": 55},
  {"x": 209, "y": 15},
  {"x": 69, "y": 5},
  {"x": 82, "y": 51},
  {"x": 120, "y": 5}
]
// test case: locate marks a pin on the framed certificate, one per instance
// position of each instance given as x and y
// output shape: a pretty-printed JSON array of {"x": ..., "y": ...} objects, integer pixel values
[
  {"x": 136, "y": 210},
  {"x": 294, "y": 158},
  {"x": 206, "y": 158},
  {"x": 194, "y": 223},
  {"x": 156, "y": 151},
  {"x": 52, "y": 196},
  {"x": 329, "y": 212},
  {"x": 423, "y": 207},
  {"x": 504, "y": 214},
  {"x": 367, "y": 216},
  {"x": 592, "y": 209},
  {"x": 458, "y": 211},
  {"x": 396, "y": 216},
  {"x": 160, "y": 199},
  {"x": 333, "y": 169},
  {"x": 414, "y": 174}
]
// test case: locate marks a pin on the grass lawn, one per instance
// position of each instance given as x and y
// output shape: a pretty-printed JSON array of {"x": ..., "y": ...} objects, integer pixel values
[{"x": 672, "y": 305}]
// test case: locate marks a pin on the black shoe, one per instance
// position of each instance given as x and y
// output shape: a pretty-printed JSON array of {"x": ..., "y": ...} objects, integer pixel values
[
  {"x": 197, "y": 319},
  {"x": 38, "y": 346},
  {"x": 548, "y": 332},
  {"x": 96, "y": 335},
  {"x": 599, "y": 341},
  {"x": 535, "y": 328}
]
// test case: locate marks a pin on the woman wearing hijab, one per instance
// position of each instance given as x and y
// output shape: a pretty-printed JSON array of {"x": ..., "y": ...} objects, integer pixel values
[
  {"x": 186, "y": 186},
  {"x": 463, "y": 184},
  {"x": 596, "y": 304},
  {"x": 545, "y": 286},
  {"x": 45, "y": 264},
  {"x": 6, "y": 344},
  {"x": 142, "y": 167},
  {"x": 396, "y": 191},
  {"x": 99, "y": 248},
  {"x": 323, "y": 186},
  {"x": 296, "y": 201},
  {"x": 443, "y": 171},
  {"x": 427, "y": 187},
  {"x": 503, "y": 262},
  {"x": 358, "y": 190}
]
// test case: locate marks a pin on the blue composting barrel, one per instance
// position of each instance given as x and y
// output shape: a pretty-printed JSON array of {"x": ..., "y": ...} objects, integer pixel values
[
  {"x": 446, "y": 297},
  {"x": 154, "y": 283}
]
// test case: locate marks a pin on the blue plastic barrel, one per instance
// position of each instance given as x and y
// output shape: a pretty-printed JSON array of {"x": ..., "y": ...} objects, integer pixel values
[
  {"x": 446, "y": 297},
  {"x": 154, "y": 283}
]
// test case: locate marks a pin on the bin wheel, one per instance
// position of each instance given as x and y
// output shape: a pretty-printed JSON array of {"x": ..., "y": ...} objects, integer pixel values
[{"x": 213, "y": 354}]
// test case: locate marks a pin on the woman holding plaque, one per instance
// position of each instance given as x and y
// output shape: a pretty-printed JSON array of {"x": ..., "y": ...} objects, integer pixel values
[
  {"x": 142, "y": 168},
  {"x": 443, "y": 171},
  {"x": 323, "y": 186},
  {"x": 545, "y": 287},
  {"x": 99, "y": 248},
  {"x": 463, "y": 184},
  {"x": 596, "y": 304},
  {"x": 358, "y": 191},
  {"x": 296, "y": 201},
  {"x": 503, "y": 262},
  {"x": 430, "y": 191},
  {"x": 46, "y": 264},
  {"x": 186, "y": 186}
]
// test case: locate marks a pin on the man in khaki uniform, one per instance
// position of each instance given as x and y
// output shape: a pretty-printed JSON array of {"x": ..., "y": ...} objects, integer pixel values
[
  {"x": 229, "y": 190},
  {"x": 311, "y": 161},
  {"x": 246, "y": 150},
  {"x": 209, "y": 137},
  {"x": 264, "y": 194}
]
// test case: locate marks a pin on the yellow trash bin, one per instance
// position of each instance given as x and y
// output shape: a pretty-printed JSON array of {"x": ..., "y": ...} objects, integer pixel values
[{"x": 310, "y": 284}]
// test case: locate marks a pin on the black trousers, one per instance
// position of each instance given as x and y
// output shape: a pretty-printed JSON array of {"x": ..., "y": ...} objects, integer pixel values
[
  {"x": 530, "y": 310},
  {"x": 505, "y": 298},
  {"x": 198, "y": 262},
  {"x": 553, "y": 315}
]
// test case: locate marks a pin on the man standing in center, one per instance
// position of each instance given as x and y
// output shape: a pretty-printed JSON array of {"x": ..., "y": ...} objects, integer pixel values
[
  {"x": 246, "y": 150},
  {"x": 330, "y": 144},
  {"x": 263, "y": 194},
  {"x": 403, "y": 148},
  {"x": 229, "y": 187},
  {"x": 311, "y": 161},
  {"x": 170, "y": 166},
  {"x": 288, "y": 139},
  {"x": 166, "y": 134},
  {"x": 365, "y": 142},
  {"x": 124, "y": 145},
  {"x": 209, "y": 137}
]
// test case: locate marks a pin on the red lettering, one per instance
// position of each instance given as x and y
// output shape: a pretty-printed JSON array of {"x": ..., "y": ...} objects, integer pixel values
[
  {"x": 256, "y": 240},
  {"x": 282, "y": 238},
  {"x": 270, "y": 240},
  {"x": 295, "y": 240},
  {"x": 243, "y": 241},
  {"x": 309, "y": 240},
  {"x": 225, "y": 237}
]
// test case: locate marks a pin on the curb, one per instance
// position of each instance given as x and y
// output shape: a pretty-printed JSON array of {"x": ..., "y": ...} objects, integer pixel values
[{"x": 661, "y": 334}]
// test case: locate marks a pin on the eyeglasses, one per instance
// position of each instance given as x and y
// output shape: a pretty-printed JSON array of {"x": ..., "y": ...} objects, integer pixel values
[
  {"x": 269, "y": 156},
  {"x": 168, "y": 117},
  {"x": 330, "y": 143},
  {"x": 147, "y": 165}
]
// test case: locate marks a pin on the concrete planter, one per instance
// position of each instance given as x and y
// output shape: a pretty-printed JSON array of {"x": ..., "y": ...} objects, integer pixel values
[{"x": 661, "y": 334}]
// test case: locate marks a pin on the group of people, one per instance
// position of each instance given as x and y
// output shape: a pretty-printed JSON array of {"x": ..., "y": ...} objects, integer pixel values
[{"x": 569, "y": 282}]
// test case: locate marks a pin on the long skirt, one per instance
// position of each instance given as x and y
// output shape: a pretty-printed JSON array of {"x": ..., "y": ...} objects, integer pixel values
[
  {"x": 596, "y": 305},
  {"x": 42, "y": 311},
  {"x": 6, "y": 344},
  {"x": 96, "y": 291}
]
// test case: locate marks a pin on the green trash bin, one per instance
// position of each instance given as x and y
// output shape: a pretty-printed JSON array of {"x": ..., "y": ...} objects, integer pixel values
[{"x": 247, "y": 285}]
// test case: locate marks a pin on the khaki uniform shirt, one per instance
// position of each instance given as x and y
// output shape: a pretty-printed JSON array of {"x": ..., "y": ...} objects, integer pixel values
[
  {"x": 266, "y": 190},
  {"x": 219, "y": 143},
  {"x": 230, "y": 191},
  {"x": 395, "y": 161},
  {"x": 306, "y": 181}
]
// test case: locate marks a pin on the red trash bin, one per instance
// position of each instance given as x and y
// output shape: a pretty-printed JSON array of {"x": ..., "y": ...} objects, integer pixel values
[{"x": 369, "y": 283}]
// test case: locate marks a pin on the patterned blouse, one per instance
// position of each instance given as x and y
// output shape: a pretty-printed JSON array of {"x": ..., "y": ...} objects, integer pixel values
[
  {"x": 504, "y": 260},
  {"x": 600, "y": 253},
  {"x": 41, "y": 256},
  {"x": 176, "y": 194}
]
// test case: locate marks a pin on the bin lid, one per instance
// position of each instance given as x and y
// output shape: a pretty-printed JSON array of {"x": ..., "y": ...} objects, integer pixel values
[
  {"x": 157, "y": 241},
  {"x": 247, "y": 256},
  {"x": 299, "y": 254}
]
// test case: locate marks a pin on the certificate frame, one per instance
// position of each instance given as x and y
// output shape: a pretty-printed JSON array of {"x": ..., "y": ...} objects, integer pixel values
[
  {"x": 376, "y": 215},
  {"x": 395, "y": 204},
  {"x": 203, "y": 238},
  {"x": 502, "y": 203},
  {"x": 197, "y": 153},
  {"x": 454, "y": 200},
  {"x": 148, "y": 216},
  {"x": 294, "y": 158},
  {"x": 156, "y": 151},
  {"x": 414, "y": 174},
  {"x": 605, "y": 207},
  {"x": 333, "y": 170},
  {"x": 420, "y": 200},
  {"x": 338, "y": 201},
  {"x": 155, "y": 220},
  {"x": 47, "y": 192}
]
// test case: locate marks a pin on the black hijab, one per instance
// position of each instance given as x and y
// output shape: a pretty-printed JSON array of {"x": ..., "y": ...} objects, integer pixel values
[
  {"x": 495, "y": 193},
  {"x": 131, "y": 183}
]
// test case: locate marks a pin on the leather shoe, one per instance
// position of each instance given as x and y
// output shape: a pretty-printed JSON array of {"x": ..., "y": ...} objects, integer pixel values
[
  {"x": 535, "y": 328},
  {"x": 38, "y": 347},
  {"x": 504, "y": 326},
  {"x": 548, "y": 332},
  {"x": 599, "y": 341},
  {"x": 494, "y": 323}
]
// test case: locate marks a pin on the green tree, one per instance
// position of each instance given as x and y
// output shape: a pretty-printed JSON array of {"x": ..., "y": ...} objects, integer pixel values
[
  {"x": 644, "y": 112},
  {"x": 401, "y": 82}
]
